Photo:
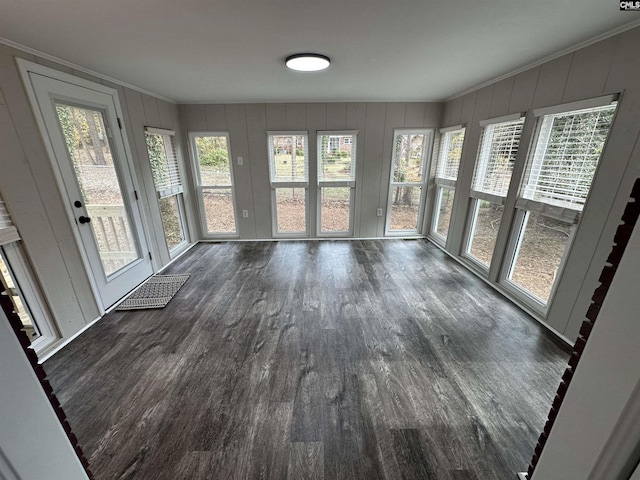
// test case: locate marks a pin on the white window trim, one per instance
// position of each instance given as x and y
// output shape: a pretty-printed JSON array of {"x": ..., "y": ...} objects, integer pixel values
[
  {"x": 426, "y": 167},
  {"x": 441, "y": 183},
  {"x": 200, "y": 188},
  {"x": 515, "y": 239},
  {"x": 36, "y": 305},
  {"x": 300, "y": 184},
  {"x": 478, "y": 196},
  {"x": 353, "y": 136},
  {"x": 440, "y": 239}
]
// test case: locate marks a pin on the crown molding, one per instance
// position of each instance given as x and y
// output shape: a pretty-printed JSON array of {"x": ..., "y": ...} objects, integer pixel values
[
  {"x": 74, "y": 66},
  {"x": 537, "y": 63}
]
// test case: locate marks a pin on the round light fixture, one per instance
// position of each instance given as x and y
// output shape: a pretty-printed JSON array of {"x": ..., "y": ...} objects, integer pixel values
[{"x": 307, "y": 62}]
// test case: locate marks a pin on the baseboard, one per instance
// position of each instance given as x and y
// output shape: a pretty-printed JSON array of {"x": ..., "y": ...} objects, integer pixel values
[{"x": 66, "y": 341}]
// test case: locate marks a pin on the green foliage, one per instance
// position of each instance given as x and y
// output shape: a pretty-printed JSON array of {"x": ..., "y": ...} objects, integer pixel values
[
  {"x": 212, "y": 151},
  {"x": 157, "y": 158}
]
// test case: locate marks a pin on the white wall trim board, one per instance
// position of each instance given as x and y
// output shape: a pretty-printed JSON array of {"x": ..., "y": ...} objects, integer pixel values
[
  {"x": 504, "y": 118},
  {"x": 63, "y": 343},
  {"x": 579, "y": 105},
  {"x": 537, "y": 63},
  {"x": 66, "y": 63}
]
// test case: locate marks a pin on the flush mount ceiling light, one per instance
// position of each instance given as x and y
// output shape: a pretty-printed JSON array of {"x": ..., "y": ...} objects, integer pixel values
[{"x": 307, "y": 62}]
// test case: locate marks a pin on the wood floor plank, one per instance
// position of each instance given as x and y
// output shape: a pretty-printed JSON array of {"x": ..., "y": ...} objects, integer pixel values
[{"x": 313, "y": 360}]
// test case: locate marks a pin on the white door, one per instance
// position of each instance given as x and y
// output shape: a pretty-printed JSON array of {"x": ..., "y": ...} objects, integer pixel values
[{"x": 82, "y": 127}]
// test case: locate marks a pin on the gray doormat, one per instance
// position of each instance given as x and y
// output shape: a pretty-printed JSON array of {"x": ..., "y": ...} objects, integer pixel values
[{"x": 154, "y": 293}]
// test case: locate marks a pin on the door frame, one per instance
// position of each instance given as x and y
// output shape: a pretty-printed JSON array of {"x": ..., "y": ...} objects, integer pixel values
[{"x": 26, "y": 67}]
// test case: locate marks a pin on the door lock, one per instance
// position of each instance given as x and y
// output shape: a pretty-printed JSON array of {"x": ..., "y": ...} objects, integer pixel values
[{"x": 83, "y": 219}]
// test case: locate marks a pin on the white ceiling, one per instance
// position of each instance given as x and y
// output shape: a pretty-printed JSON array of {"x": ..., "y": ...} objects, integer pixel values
[{"x": 234, "y": 50}]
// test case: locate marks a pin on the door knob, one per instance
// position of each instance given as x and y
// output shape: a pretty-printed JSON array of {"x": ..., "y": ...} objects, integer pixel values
[{"x": 83, "y": 219}]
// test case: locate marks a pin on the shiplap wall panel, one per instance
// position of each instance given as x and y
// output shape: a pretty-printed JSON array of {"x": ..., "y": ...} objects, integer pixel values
[
  {"x": 356, "y": 119},
  {"x": 296, "y": 114},
  {"x": 372, "y": 149},
  {"x": 552, "y": 80},
  {"x": 216, "y": 117},
  {"x": 623, "y": 65},
  {"x": 166, "y": 113},
  {"x": 524, "y": 88},
  {"x": 502, "y": 95},
  {"x": 589, "y": 71},
  {"x": 455, "y": 112},
  {"x": 277, "y": 117},
  {"x": 151, "y": 113},
  {"x": 337, "y": 115},
  {"x": 195, "y": 118},
  {"x": 235, "y": 120},
  {"x": 414, "y": 115},
  {"x": 433, "y": 115},
  {"x": 257, "y": 137},
  {"x": 318, "y": 115}
]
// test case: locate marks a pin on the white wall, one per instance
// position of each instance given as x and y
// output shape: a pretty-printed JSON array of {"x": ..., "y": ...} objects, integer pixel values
[
  {"x": 607, "y": 67},
  {"x": 248, "y": 124},
  {"x": 33, "y": 444},
  {"x": 37, "y": 207}
]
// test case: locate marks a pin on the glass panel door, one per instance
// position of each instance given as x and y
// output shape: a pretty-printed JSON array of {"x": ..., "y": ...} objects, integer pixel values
[
  {"x": 81, "y": 129},
  {"x": 88, "y": 146}
]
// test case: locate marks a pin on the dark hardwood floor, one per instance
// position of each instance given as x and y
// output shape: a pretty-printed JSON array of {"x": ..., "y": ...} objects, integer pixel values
[{"x": 313, "y": 360}]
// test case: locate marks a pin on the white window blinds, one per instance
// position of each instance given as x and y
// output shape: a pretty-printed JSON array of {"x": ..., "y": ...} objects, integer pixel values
[
  {"x": 566, "y": 156},
  {"x": 288, "y": 157},
  {"x": 496, "y": 157},
  {"x": 450, "y": 154},
  {"x": 8, "y": 232},
  {"x": 336, "y": 157},
  {"x": 164, "y": 162}
]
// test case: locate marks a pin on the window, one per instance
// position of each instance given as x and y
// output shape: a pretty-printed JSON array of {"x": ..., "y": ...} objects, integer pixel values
[
  {"x": 336, "y": 182},
  {"x": 560, "y": 169},
  {"x": 496, "y": 157},
  {"x": 289, "y": 174},
  {"x": 18, "y": 281},
  {"x": 446, "y": 177},
  {"x": 407, "y": 181},
  {"x": 214, "y": 180},
  {"x": 168, "y": 183}
]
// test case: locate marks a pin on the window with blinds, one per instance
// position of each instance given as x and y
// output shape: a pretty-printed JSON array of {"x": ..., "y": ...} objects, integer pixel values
[
  {"x": 164, "y": 162},
  {"x": 566, "y": 157},
  {"x": 496, "y": 157},
  {"x": 288, "y": 157},
  {"x": 450, "y": 154},
  {"x": 336, "y": 182},
  {"x": 289, "y": 174},
  {"x": 336, "y": 158},
  {"x": 8, "y": 232}
]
